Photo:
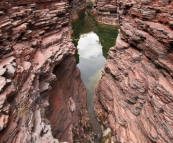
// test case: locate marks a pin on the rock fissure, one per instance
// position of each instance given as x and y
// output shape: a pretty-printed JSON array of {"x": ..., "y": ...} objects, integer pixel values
[{"x": 42, "y": 96}]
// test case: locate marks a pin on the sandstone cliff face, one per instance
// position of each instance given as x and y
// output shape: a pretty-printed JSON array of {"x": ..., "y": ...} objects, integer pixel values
[
  {"x": 106, "y": 11},
  {"x": 135, "y": 92},
  {"x": 34, "y": 41}
]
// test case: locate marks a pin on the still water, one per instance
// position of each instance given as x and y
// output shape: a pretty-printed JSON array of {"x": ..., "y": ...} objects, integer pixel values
[
  {"x": 91, "y": 63},
  {"x": 93, "y": 41}
]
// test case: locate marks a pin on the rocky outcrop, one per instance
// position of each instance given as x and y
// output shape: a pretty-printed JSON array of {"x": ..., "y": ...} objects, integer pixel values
[
  {"x": 37, "y": 104},
  {"x": 67, "y": 113},
  {"x": 106, "y": 11},
  {"x": 135, "y": 92}
]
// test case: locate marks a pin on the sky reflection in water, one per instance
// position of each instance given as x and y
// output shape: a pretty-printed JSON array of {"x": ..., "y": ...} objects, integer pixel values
[
  {"x": 91, "y": 63},
  {"x": 92, "y": 49}
]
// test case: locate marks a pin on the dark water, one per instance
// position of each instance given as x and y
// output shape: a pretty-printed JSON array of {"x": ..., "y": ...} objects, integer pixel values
[{"x": 93, "y": 41}]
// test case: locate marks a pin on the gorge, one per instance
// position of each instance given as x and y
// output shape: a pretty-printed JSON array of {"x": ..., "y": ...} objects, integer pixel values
[
  {"x": 43, "y": 94},
  {"x": 93, "y": 41}
]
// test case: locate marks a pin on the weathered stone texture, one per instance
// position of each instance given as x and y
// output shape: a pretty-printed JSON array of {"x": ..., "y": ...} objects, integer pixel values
[
  {"x": 34, "y": 38},
  {"x": 136, "y": 87},
  {"x": 67, "y": 95},
  {"x": 106, "y": 11}
]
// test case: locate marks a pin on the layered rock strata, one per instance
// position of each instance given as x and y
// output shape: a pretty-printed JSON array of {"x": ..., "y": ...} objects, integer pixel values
[
  {"x": 135, "y": 93},
  {"x": 67, "y": 113},
  {"x": 37, "y": 104},
  {"x": 106, "y": 11}
]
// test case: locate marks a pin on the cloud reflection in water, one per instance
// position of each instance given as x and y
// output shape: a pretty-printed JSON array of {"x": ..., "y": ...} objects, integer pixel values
[{"x": 91, "y": 62}]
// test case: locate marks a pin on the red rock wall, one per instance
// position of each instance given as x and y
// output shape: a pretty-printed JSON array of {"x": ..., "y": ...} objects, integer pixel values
[
  {"x": 34, "y": 39},
  {"x": 106, "y": 11},
  {"x": 67, "y": 112},
  {"x": 135, "y": 92}
]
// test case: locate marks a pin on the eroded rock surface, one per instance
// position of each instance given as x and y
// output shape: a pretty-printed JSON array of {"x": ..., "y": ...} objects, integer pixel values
[
  {"x": 135, "y": 92},
  {"x": 67, "y": 112},
  {"x": 36, "y": 102},
  {"x": 106, "y": 11}
]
